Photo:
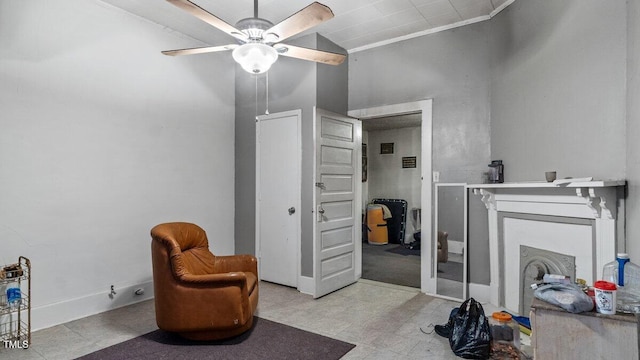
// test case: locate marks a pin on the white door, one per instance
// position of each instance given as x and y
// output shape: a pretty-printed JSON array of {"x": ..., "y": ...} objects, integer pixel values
[
  {"x": 336, "y": 203},
  {"x": 278, "y": 196}
]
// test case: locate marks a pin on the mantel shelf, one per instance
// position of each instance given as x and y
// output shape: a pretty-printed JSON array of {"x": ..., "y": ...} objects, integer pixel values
[{"x": 562, "y": 183}]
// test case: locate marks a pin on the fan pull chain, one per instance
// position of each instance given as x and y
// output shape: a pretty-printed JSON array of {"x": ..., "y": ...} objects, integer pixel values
[
  {"x": 256, "y": 97},
  {"x": 266, "y": 111}
]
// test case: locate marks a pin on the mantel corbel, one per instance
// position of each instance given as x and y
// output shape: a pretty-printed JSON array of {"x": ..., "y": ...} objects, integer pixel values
[
  {"x": 488, "y": 198},
  {"x": 591, "y": 195}
]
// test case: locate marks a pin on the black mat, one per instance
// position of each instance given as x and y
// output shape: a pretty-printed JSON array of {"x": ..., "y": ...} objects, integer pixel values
[{"x": 266, "y": 340}]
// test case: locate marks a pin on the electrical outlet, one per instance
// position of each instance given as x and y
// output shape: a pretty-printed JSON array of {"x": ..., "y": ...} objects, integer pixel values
[{"x": 436, "y": 176}]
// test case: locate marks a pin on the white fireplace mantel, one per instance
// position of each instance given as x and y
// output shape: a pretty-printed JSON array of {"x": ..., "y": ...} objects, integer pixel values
[
  {"x": 560, "y": 198},
  {"x": 568, "y": 198}
]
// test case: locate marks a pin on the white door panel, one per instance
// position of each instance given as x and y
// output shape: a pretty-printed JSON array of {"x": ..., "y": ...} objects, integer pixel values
[
  {"x": 278, "y": 161},
  {"x": 337, "y": 177}
]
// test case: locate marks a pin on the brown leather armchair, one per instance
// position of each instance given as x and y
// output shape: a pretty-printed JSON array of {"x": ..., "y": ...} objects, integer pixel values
[
  {"x": 443, "y": 246},
  {"x": 197, "y": 294}
]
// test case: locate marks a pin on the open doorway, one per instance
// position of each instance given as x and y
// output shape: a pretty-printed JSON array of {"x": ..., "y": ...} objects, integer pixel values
[
  {"x": 424, "y": 108},
  {"x": 391, "y": 193}
]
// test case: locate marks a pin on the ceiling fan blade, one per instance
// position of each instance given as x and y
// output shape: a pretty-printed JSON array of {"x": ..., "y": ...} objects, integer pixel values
[
  {"x": 304, "y": 19},
  {"x": 209, "y": 18},
  {"x": 199, "y": 50},
  {"x": 297, "y": 52}
]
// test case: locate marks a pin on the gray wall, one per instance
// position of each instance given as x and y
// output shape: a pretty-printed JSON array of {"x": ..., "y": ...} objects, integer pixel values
[
  {"x": 451, "y": 211},
  {"x": 332, "y": 81},
  {"x": 553, "y": 77},
  {"x": 558, "y": 94},
  {"x": 293, "y": 84},
  {"x": 558, "y": 89},
  {"x": 633, "y": 130},
  {"x": 452, "y": 68}
]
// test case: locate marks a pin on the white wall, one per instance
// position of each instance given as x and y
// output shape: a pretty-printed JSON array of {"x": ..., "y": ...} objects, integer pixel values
[
  {"x": 101, "y": 138},
  {"x": 387, "y": 179}
]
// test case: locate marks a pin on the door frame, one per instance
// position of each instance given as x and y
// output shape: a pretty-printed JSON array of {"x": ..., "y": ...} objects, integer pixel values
[
  {"x": 298, "y": 202},
  {"x": 428, "y": 281}
]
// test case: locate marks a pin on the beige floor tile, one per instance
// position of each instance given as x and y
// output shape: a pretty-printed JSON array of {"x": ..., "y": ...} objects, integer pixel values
[{"x": 383, "y": 321}]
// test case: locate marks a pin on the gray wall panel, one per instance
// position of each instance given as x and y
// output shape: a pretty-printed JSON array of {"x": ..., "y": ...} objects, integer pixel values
[
  {"x": 558, "y": 89},
  {"x": 633, "y": 131},
  {"x": 452, "y": 68}
]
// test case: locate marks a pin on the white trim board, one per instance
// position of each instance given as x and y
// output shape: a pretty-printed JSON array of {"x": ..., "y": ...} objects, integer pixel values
[{"x": 456, "y": 247}]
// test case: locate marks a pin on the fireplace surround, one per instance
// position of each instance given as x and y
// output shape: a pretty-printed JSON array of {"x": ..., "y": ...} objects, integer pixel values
[{"x": 575, "y": 218}]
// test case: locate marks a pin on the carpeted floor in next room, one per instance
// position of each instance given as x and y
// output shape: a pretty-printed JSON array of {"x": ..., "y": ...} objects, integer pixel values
[
  {"x": 380, "y": 264},
  {"x": 394, "y": 264},
  {"x": 383, "y": 321}
]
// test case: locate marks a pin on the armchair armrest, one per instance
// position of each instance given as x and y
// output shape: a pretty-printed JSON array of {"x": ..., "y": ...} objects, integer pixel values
[
  {"x": 215, "y": 279},
  {"x": 234, "y": 263}
]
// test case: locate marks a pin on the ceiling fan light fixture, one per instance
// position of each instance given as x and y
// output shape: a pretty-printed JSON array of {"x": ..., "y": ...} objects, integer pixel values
[{"x": 255, "y": 58}]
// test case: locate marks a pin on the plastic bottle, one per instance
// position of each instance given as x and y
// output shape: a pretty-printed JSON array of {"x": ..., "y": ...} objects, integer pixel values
[
  {"x": 626, "y": 275},
  {"x": 14, "y": 297},
  {"x": 505, "y": 333}
]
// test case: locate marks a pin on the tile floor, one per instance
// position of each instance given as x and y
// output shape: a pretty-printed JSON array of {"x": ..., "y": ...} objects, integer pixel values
[{"x": 384, "y": 321}]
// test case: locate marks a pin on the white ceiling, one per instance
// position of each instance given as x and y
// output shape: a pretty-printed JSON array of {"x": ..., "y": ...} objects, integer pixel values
[{"x": 357, "y": 25}]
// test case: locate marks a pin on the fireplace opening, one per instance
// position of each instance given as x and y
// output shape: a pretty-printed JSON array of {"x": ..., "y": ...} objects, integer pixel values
[{"x": 534, "y": 264}]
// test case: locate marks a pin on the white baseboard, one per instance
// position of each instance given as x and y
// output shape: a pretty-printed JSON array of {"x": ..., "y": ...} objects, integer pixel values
[
  {"x": 456, "y": 247},
  {"x": 306, "y": 285},
  {"x": 480, "y": 292},
  {"x": 46, "y": 316}
]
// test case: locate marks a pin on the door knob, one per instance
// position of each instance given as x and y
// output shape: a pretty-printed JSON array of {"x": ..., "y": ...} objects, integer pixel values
[
  {"x": 320, "y": 213},
  {"x": 292, "y": 210}
]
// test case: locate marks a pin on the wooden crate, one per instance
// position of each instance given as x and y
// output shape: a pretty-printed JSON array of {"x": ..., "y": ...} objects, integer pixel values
[{"x": 558, "y": 334}]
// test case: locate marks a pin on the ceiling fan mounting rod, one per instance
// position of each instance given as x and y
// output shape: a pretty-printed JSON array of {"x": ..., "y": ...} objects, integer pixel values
[{"x": 255, "y": 8}]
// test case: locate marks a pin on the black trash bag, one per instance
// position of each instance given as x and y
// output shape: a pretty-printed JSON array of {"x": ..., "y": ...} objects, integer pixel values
[{"x": 470, "y": 336}]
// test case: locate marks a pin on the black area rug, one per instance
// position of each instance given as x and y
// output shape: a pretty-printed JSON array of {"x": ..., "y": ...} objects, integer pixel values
[{"x": 266, "y": 340}]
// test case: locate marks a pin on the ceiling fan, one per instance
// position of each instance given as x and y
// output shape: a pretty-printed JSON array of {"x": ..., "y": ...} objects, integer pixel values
[{"x": 259, "y": 40}]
